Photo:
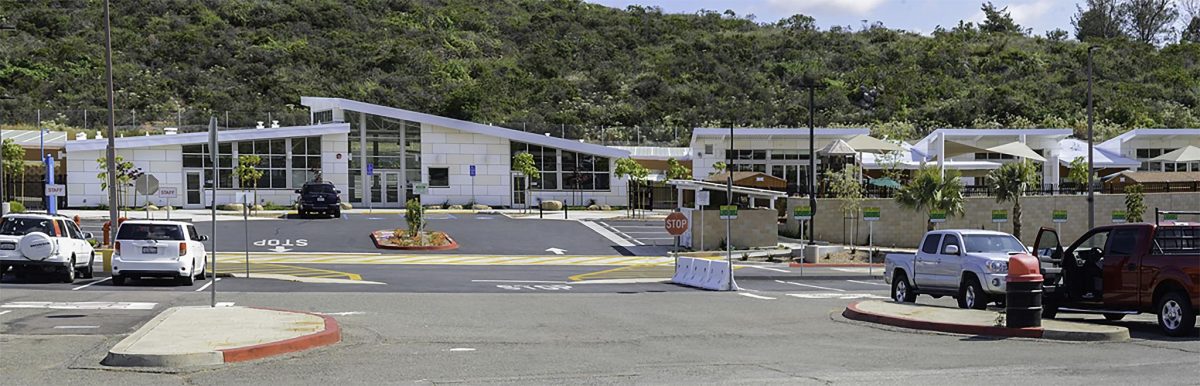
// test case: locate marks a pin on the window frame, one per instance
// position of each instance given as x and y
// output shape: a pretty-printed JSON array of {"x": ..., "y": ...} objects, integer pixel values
[{"x": 430, "y": 181}]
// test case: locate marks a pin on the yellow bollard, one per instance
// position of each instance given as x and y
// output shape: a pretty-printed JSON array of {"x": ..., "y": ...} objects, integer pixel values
[{"x": 106, "y": 255}]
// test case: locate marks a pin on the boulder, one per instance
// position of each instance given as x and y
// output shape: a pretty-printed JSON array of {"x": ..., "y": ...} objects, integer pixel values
[
  {"x": 151, "y": 207},
  {"x": 593, "y": 207},
  {"x": 346, "y": 205},
  {"x": 168, "y": 207},
  {"x": 552, "y": 205},
  {"x": 231, "y": 207},
  {"x": 481, "y": 207},
  {"x": 257, "y": 207},
  {"x": 455, "y": 207},
  {"x": 606, "y": 207},
  {"x": 433, "y": 207}
]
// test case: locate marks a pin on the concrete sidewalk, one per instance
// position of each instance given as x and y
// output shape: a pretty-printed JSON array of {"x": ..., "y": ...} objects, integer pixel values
[
  {"x": 975, "y": 322},
  {"x": 205, "y": 336}
]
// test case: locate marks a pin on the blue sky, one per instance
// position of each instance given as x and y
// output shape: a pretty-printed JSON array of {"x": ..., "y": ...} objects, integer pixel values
[{"x": 913, "y": 15}]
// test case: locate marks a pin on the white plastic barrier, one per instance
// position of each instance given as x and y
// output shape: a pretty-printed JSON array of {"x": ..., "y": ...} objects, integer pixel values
[{"x": 703, "y": 273}]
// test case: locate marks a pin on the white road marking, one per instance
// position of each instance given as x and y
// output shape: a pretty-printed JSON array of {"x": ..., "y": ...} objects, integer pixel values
[
  {"x": 766, "y": 268},
  {"x": 534, "y": 287},
  {"x": 5, "y": 312},
  {"x": 645, "y": 233},
  {"x": 852, "y": 269},
  {"x": 867, "y": 282},
  {"x": 810, "y": 285},
  {"x": 91, "y": 284},
  {"x": 618, "y": 240},
  {"x": 618, "y": 231},
  {"x": 756, "y": 296},
  {"x": 640, "y": 226},
  {"x": 210, "y": 282},
  {"x": 461, "y": 349},
  {"x": 556, "y": 251},
  {"x": 519, "y": 281},
  {"x": 82, "y": 305},
  {"x": 842, "y": 296},
  {"x": 225, "y": 304},
  {"x": 75, "y": 327}
]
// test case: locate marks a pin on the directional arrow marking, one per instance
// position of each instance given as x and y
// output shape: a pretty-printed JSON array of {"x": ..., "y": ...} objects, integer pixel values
[
  {"x": 556, "y": 251},
  {"x": 279, "y": 249}
]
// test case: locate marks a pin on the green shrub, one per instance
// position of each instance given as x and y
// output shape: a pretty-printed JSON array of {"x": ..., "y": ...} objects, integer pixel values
[{"x": 16, "y": 207}]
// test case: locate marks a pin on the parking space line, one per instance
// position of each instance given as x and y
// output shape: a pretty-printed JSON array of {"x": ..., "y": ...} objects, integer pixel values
[
  {"x": 520, "y": 281},
  {"x": 75, "y": 327},
  {"x": 607, "y": 234},
  {"x": 867, "y": 282},
  {"x": 810, "y": 285},
  {"x": 210, "y": 282},
  {"x": 91, "y": 284},
  {"x": 749, "y": 295},
  {"x": 765, "y": 268},
  {"x": 622, "y": 234},
  {"x": 5, "y": 312}
]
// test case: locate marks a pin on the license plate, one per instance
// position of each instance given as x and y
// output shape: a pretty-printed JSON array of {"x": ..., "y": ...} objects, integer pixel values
[
  {"x": 150, "y": 250},
  {"x": 8, "y": 246},
  {"x": 320, "y": 199}
]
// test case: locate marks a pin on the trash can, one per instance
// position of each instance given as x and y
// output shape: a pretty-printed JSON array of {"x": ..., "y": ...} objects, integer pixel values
[{"x": 1023, "y": 292}]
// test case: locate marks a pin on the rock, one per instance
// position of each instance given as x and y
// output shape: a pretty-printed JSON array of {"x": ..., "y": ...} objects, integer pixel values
[
  {"x": 455, "y": 207},
  {"x": 231, "y": 207},
  {"x": 593, "y": 207},
  {"x": 257, "y": 207},
  {"x": 552, "y": 205},
  {"x": 346, "y": 205},
  {"x": 151, "y": 207},
  {"x": 433, "y": 207},
  {"x": 481, "y": 207},
  {"x": 605, "y": 207},
  {"x": 168, "y": 207}
]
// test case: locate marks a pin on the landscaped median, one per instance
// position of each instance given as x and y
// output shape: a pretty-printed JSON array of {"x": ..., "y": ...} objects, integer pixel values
[
  {"x": 206, "y": 336},
  {"x": 975, "y": 322}
]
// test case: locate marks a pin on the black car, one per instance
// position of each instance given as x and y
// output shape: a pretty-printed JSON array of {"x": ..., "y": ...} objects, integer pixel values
[{"x": 319, "y": 197}]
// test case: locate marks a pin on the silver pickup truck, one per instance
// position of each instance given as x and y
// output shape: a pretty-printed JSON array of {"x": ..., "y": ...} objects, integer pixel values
[{"x": 969, "y": 265}]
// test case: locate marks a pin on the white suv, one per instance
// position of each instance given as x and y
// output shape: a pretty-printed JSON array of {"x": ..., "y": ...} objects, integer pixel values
[
  {"x": 45, "y": 243},
  {"x": 158, "y": 249}
]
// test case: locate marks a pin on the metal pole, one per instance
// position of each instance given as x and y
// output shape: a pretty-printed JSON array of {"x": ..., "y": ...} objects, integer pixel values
[
  {"x": 246, "y": 224},
  {"x": 729, "y": 221},
  {"x": 110, "y": 152},
  {"x": 1091, "y": 199},
  {"x": 870, "y": 248},
  {"x": 213, "y": 149}
]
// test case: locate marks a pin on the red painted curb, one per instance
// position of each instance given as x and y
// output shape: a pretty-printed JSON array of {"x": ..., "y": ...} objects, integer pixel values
[
  {"x": 834, "y": 265},
  {"x": 332, "y": 334},
  {"x": 854, "y": 313},
  {"x": 453, "y": 245}
]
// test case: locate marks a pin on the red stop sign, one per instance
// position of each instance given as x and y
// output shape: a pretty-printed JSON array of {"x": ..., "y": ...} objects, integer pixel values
[{"x": 676, "y": 223}]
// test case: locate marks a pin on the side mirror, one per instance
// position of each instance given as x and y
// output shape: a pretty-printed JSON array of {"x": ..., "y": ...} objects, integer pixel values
[
  {"x": 297, "y": 191},
  {"x": 950, "y": 250},
  {"x": 88, "y": 235},
  {"x": 203, "y": 238},
  {"x": 337, "y": 191}
]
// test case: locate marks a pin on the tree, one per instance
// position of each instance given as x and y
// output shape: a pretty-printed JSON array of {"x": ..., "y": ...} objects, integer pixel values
[
  {"x": 997, "y": 20},
  {"x": 845, "y": 186},
  {"x": 676, "y": 170},
  {"x": 14, "y": 162},
  {"x": 414, "y": 216},
  {"x": 125, "y": 175},
  {"x": 1009, "y": 183},
  {"x": 1191, "y": 33},
  {"x": 1150, "y": 20},
  {"x": 718, "y": 168},
  {"x": 1103, "y": 19},
  {"x": 1077, "y": 171},
  {"x": 523, "y": 162},
  {"x": 1135, "y": 204},
  {"x": 929, "y": 190},
  {"x": 628, "y": 168},
  {"x": 247, "y": 172}
]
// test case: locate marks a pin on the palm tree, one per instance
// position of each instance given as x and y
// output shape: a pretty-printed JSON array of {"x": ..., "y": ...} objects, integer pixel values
[
  {"x": 1009, "y": 182},
  {"x": 929, "y": 190}
]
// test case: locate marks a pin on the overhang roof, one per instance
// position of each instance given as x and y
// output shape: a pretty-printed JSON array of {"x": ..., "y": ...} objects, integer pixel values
[
  {"x": 1150, "y": 177},
  {"x": 1015, "y": 149},
  {"x": 30, "y": 138},
  {"x": 868, "y": 144},
  {"x": 703, "y": 185},
  {"x": 777, "y": 132},
  {"x": 1169, "y": 133},
  {"x": 655, "y": 152},
  {"x": 1070, "y": 149},
  {"x": 323, "y": 104},
  {"x": 202, "y": 137}
]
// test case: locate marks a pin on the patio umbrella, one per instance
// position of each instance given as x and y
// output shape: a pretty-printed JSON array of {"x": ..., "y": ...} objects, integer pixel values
[
  {"x": 885, "y": 182},
  {"x": 1186, "y": 154}
]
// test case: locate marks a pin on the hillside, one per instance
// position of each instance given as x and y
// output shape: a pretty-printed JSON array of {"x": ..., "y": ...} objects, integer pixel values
[{"x": 563, "y": 62}]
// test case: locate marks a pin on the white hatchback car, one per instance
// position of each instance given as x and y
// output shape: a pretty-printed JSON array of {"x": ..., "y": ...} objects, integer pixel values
[
  {"x": 45, "y": 243},
  {"x": 148, "y": 248}
]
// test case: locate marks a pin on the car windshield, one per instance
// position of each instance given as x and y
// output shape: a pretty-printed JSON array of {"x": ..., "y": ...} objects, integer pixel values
[
  {"x": 993, "y": 244},
  {"x": 323, "y": 188},
  {"x": 20, "y": 226},
  {"x": 149, "y": 232}
]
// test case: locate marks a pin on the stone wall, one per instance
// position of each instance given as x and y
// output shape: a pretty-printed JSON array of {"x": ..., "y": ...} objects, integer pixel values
[
  {"x": 903, "y": 227},
  {"x": 752, "y": 228}
]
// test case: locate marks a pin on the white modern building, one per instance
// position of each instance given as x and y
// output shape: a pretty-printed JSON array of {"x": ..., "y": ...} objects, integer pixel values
[
  {"x": 780, "y": 152},
  {"x": 1144, "y": 144}
]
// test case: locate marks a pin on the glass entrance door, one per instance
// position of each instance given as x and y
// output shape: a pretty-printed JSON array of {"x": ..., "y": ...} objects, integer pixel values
[
  {"x": 518, "y": 191},
  {"x": 385, "y": 188},
  {"x": 193, "y": 191}
]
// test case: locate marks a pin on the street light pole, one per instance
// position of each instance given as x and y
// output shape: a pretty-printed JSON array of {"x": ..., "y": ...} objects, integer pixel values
[
  {"x": 812, "y": 156},
  {"x": 1091, "y": 198},
  {"x": 110, "y": 152}
]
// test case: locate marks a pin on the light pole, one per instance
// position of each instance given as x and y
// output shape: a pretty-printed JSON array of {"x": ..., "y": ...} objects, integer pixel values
[
  {"x": 110, "y": 152},
  {"x": 811, "y": 86},
  {"x": 1091, "y": 197}
]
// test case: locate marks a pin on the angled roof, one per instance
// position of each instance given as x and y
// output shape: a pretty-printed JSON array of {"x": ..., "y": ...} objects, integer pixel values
[
  {"x": 202, "y": 137},
  {"x": 655, "y": 152},
  {"x": 868, "y": 144},
  {"x": 323, "y": 104},
  {"x": 1187, "y": 153},
  {"x": 838, "y": 147},
  {"x": 1149, "y": 177},
  {"x": 30, "y": 138},
  {"x": 1070, "y": 149},
  {"x": 705, "y": 185},
  {"x": 1131, "y": 134}
]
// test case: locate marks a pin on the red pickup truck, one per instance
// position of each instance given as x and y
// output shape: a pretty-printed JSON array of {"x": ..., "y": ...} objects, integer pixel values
[{"x": 1124, "y": 269}]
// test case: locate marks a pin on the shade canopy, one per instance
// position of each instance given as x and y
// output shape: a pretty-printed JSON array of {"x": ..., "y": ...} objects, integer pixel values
[
  {"x": 1015, "y": 149},
  {"x": 1185, "y": 154},
  {"x": 885, "y": 182},
  {"x": 869, "y": 144},
  {"x": 838, "y": 147}
]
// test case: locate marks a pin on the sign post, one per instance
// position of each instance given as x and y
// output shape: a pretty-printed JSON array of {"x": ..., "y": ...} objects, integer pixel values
[
  {"x": 167, "y": 193},
  {"x": 937, "y": 216},
  {"x": 1059, "y": 216},
  {"x": 472, "y": 172},
  {"x": 676, "y": 225},
  {"x": 802, "y": 214},
  {"x": 146, "y": 185},
  {"x": 212, "y": 152},
  {"x": 367, "y": 191},
  {"x": 871, "y": 214},
  {"x": 999, "y": 216}
]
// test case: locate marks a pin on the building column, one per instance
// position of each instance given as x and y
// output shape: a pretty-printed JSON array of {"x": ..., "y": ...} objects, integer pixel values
[
  {"x": 942, "y": 154},
  {"x": 362, "y": 158}
]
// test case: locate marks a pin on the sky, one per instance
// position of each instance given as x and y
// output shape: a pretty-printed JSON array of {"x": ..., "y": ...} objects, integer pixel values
[{"x": 921, "y": 16}]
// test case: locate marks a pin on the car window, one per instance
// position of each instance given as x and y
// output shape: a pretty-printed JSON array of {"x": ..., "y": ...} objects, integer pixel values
[
  {"x": 931, "y": 243},
  {"x": 949, "y": 240},
  {"x": 992, "y": 244},
  {"x": 149, "y": 232},
  {"x": 1177, "y": 240},
  {"x": 321, "y": 188},
  {"x": 1095, "y": 240},
  {"x": 20, "y": 226},
  {"x": 195, "y": 236},
  {"x": 1122, "y": 242},
  {"x": 73, "y": 230}
]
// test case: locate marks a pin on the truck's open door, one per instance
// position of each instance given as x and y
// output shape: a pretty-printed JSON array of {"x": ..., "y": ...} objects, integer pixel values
[{"x": 1049, "y": 252}]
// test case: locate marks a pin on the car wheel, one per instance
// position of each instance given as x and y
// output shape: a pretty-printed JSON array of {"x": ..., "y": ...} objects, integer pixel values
[
  {"x": 118, "y": 280},
  {"x": 68, "y": 275},
  {"x": 187, "y": 280},
  {"x": 1176, "y": 316},
  {"x": 89, "y": 272},
  {"x": 336, "y": 214},
  {"x": 971, "y": 295},
  {"x": 1114, "y": 317},
  {"x": 202, "y": 274},
  {"x": 1049, "y": 312},
  {"x": 902, "y": 291}
]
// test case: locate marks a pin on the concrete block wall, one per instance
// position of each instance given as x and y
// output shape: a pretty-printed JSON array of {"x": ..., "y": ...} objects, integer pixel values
[
  {"x": 900, "y": 227},
  {"x": 458, "y": 150},
  {"x": 752, "y": 228},
  {"x": 83, "y": 187}
]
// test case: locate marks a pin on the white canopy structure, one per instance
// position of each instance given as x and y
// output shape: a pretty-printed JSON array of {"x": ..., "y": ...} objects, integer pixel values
[{"x": 1184, "y": 154}]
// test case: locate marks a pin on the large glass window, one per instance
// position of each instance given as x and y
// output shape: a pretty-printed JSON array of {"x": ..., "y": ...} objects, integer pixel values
[
  {"x": 306, "y": 159},
  {"x": 578, "y": 171},
  {"x": 196, "y": 156},
  {"x": 439, "y": 177}
]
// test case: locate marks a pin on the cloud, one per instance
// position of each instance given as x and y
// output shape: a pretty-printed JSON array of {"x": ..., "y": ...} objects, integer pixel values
[
  {"x": 1027, "y": 13},
  {"x": 856, "y": 7}
]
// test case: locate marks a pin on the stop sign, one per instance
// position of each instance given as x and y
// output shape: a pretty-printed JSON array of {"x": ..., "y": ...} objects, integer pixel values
[{"x": 676, "y": 223}]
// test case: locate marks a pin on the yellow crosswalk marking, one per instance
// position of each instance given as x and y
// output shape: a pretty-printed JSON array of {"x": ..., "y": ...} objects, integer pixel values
[{"x": 300, "y": 258}]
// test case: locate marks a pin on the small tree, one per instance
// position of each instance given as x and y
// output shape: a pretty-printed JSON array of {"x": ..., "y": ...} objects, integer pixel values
[
  {"x": 845, "y": 186},
  {"x": 718, "y": 168},
  {"x": 928, "y": 190},
  {"x": 414, "y": 216},
  {"x": 1009, "y": 183},
  {"x": 13, "y": 163},
  {"x": 125, "y": 175},
  {"x": 248, "y": 173},
  {"x": 1077, "y": 171},
  {"x": 1135, "y": 204},
  {"x": 627, "y": 167},
  {"x": 523, "y": 162},
  {"x": 676, "y": 170}
]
